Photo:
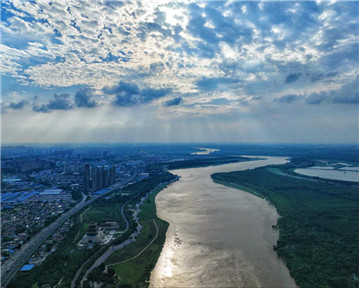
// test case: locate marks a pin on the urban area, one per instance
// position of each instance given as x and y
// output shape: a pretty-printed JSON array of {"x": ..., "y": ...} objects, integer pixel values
[{"x": 40, "y": 184}]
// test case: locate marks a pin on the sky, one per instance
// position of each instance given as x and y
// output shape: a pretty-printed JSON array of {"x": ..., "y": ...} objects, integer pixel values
[{"x": 179, "y": 71}]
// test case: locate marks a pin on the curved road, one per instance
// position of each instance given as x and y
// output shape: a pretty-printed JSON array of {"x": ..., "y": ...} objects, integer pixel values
[
  {"x": 78, "y": 272},
  {"x": 127, "y": 242},
  {"x": 112, "y": 249},
  {"x": 143, "y": 250},
  {"x": 13, "y": 265}
]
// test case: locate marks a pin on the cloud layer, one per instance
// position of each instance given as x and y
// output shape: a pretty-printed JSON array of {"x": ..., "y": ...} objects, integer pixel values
[
  {"x": 129, "y": 94},
  {"x": 179, "y": 59},
  {"x": 59, "y": 102},
  {"x": 83, "y": 98}
]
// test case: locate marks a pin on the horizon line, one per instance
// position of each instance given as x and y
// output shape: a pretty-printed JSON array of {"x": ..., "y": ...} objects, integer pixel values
[{"x": 176, "y": 143}]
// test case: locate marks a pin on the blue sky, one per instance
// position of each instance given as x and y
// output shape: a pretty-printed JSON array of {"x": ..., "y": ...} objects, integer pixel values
[{"x": 180, "y": 71}]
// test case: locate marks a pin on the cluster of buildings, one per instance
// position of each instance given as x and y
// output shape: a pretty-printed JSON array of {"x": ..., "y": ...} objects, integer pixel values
[
  {"x": 18, "y": 184},
  {"x": 98, "y": 177},
  {"x": 23, "y": 221},
  {"x": 49, "y": 246},
  {"x": 76, "y": 167},
  {"x": 26, "y": 165},
  {"x": 38, "y": 183},
  {"x": 54, "y": 195},
  {"x": 99, "y": 234},
  {"x": 23, "y": 197}
]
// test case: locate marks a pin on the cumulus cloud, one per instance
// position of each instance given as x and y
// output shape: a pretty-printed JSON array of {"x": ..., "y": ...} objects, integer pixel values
[
  {"x": 114, "y": 4},
  {"x": 347, "y": 94},
  {"x": 323, "y": 76},
  {"x": 151, "y": 94},
  {"x": 290, "y": 98},
  {"x": 14, "y": 105},
  {"x": 292, "y": 77},
  {"x": 18, "y": 105},
  {"x": 173, "y": 102},
  {"x": 60, "y": 102},
  {"x": 83, "y": 98},
  {"x": 216, "y": 83},
  {"x": 224, "y": 58},
  {"x": 243, "y": 49},
  {"x": 128, "y": 88},
  {"x": 197, "y": 27},
  {"x": 316, "y": 98},
  {"x": 40, "y": 108},
  {"x": 129, "y": 94}
]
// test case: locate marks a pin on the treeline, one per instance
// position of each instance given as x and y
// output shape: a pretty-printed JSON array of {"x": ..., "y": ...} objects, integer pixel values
[
  {"x": 319, "y": 227},
  {"x": 345, "y": 152},
  {"x": 192, "y": 163}
]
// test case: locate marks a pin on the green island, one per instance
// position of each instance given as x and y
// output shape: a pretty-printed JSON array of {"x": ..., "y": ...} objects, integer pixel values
[{"x": 318, "y": 227}]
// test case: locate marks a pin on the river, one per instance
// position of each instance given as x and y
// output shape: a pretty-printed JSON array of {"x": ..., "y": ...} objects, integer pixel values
[
  {"x": 218, "y": 236},
  {"x": 343, "y": 174}
]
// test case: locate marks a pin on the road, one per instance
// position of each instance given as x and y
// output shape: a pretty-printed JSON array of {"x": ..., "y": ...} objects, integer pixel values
[
  {"x": 78, "y": 272},
  {"x": 13, "y": 265},
  {"x": 111, "y": 250},
  {"x": 143, "y": 250},
  {"x": 127, "y": 242}
]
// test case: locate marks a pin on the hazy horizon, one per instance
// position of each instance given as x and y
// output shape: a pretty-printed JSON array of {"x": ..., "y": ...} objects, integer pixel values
[{"x": 179, "y": 143}]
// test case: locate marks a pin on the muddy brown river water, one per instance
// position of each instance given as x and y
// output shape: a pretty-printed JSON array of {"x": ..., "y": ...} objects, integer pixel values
[{"x": 218, "y": 236}]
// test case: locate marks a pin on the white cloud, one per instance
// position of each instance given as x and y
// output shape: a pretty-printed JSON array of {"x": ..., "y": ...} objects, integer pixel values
[{"x": 98, "y": 45}]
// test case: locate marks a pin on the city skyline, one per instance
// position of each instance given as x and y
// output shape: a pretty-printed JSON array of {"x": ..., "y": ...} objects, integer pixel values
[{"x": 180, "y": 71}]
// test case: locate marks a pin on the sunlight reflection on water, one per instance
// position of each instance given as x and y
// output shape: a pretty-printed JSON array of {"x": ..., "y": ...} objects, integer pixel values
[{"x": 218, "y": 236}]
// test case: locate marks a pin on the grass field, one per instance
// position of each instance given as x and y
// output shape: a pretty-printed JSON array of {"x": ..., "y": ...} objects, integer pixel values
[
  {"x": 319, "y": 227},
  {"x": 136, "y": 272},
  {"x": 105, "y": 211}
]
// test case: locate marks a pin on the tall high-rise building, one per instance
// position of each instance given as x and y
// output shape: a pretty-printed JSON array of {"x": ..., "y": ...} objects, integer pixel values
[
  {"x": 94, "y": 186},
  {"x": 100, "y": 172},
  {"x": 112, "y": 175},
  {"x": 86, "y": 177},
  {"x": 98, "y": 177},
  {"x": 106, "y": 178},
  {"x": 68, "y": 169}
]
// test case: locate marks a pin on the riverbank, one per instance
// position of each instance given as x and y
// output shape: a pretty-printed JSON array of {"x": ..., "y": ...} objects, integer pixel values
[
  {"x": 217, "y": 237},
  {"x": 133, "y": 265},
  {"x": 204, "y": 151},
  {"x": 98, "y": 271},
  {"x": 317, "y": 239}
]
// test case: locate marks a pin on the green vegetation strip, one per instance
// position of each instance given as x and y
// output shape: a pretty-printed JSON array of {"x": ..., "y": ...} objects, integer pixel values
[
  {"x": 192, "y": 163},
  {"x": 138, "y": 259},
  {"x": 143, "y": 250},
  {"x": 319, "y": 227}
]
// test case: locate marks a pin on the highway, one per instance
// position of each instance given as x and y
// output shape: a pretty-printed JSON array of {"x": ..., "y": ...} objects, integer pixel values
[{"x": 14, "y": 264}]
